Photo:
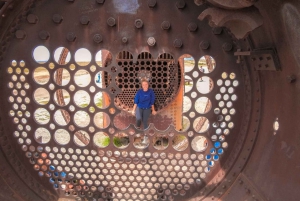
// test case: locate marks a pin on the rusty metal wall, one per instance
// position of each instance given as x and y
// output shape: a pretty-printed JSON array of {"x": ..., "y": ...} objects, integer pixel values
[{"x": 267, "y": 98}]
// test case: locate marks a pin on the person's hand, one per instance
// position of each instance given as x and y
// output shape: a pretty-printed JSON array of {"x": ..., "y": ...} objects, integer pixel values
[
  {"x": 154, "y": 112},
  {"x": 133, "y": 112}
]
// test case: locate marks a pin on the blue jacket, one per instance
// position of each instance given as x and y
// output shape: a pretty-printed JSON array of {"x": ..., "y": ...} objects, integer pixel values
[{"x": 144, "y": 99}]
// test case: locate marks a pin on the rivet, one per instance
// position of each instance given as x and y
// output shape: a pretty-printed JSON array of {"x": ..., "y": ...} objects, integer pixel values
[
  {"x": 227, "y": 47},
  {"x": 44, "y": 35},
  {"x": 204, "y": 45},
  {"x": 71, "y": 36},
  {"x": 85, "y": 20},
  {"x": 20, "y": 34},
  {"x": 100, "y": 1},
  {"x": 192, "y": 27},
  {"x": 217, "y": 30},
  {"x": 32, "y": 19},
  {"x": 177, "y": 43},
  {"x": 138, "y": 23},
  {"x": 152, "y": 3},
  {"x": 57, "y": 18},
  {"x": 291, "y": 78},
  {"x": 97, "y": 38},
  {"x": 180, "y": 4},
  {"x": 165, "y": 25},
  {"x": 151, "y": 41},
  {"x": 124, "y": 40},
  {"x": 111, "y": 21}
]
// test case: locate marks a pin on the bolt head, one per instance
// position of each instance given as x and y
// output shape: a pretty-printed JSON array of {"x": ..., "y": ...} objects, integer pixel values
[
  {"x": 20, "y": 34},
  {"x": 291, "y": 78},
  {"x": 199, "y": 2},
  {"x": 44, "y": 35},
  {"x": 111, "y": 21},
  {"x": 32, "y": 19},
  {"x": 165, "y": 25},
  {"x": 180, "y": 4},
  {"x": 152, "y": 3},
  {"x": 217, "y": 30},
  {"x": 151, "y": 41},
  {"x": 97, "y": 38},
  {"x": 204, "y": 45},
  {"x": 57, "y": 18},
  {"x": 177, "y": 43},
  {"x": 192, "y": 27},
  {"x": 84, "y": 20},
  {"x": 227, "y": 47},
  {"x": 124, "y": 40},
  {"x": 100, "y": 1},
  {"x": 138, "y": 23},
  {"x": 71, "y": 37}
]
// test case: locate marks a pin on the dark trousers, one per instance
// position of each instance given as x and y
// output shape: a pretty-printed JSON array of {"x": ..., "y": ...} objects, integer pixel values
[{"x": 142, "y": 115}]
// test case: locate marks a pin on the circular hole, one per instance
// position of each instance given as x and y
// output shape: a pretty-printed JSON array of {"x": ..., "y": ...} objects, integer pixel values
[
  {"x": 62, "y": 137},
  {"x": 180, "y": 143},
  {"x": 203, "y": 105},
  {"x": 101, "y": 120},
  {"x": 82, "y": 99},
  {"x": 276, "y": 125},
  {"x": 206, "y": 64},
  {"x": 226, "y": 97},
  {"x": 188, "y": 62},
  {"x": 218, "y": 96},
  {"x": 229, "y": 104},
  {"x": 62, "y": 55},
  {"x": 41, "y": 75},
  {"x": 230, "y": 90},
  {"x": 101, "y": 139},
  {"x": 42, "y": 135},
  {"x": 83, "y": 57},
  {"x": 103, "y": 58},
  {"x": 199, "y": 144},
  {"x": 187, "y": 104},
  {"x": 61, "y": 97},
  {"x": 62, "y": 117},
  {"x": 41, "y": 96},
  {"x": 234, "y": 97},
  {"x": 141, "y": 141},
  {"x": 201, "y": 124},
  {"x": 41, "y": 116},
  {"x": 62, "y": 77},
  {"x": 121, "y": 140},
  {"x": 227, "y": 83},
  {"x": 220, "y": 82},
  {"x": 205, "y": 85},
  {"x": 160, "y": 142},
  {"x": 100, "y": 79},
  {"x": 235, "y": 83},
  {"x": 81, "y": 138},
  {"x": 188, "y": 83},
  {"x": 82, "y": 78},
  {"x": 82, "y": 119},
  {"x": 102, "y": 100},
  {"x": 41, "y": 54},
  {"x": 224, "y": 75},
  {"x": 231, "y": 125},
  {"x": 195, "y": 74},
  {"x": 185, "y": 123},
  {"x": 232, "y": 76}
]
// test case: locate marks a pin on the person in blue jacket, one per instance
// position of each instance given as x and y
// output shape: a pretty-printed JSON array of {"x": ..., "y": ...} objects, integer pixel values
[{"x": 143, "y": 103}]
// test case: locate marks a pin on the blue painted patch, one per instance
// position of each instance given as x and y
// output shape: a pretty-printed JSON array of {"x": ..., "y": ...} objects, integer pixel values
[
  {"x": 216, "y": 157},
  {"x": 217, "y": 144},
  {"x": 128, "y": 6},
  {"x": 208, "y": 157},
  {"x": 220, "y": 151}
]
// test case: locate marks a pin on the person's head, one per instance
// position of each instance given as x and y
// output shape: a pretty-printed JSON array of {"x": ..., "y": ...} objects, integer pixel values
[{"x": 145, "y": 84}]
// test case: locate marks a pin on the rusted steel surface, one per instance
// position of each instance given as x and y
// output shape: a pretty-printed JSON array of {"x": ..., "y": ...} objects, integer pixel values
[{"x": 96, "y": 152}]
